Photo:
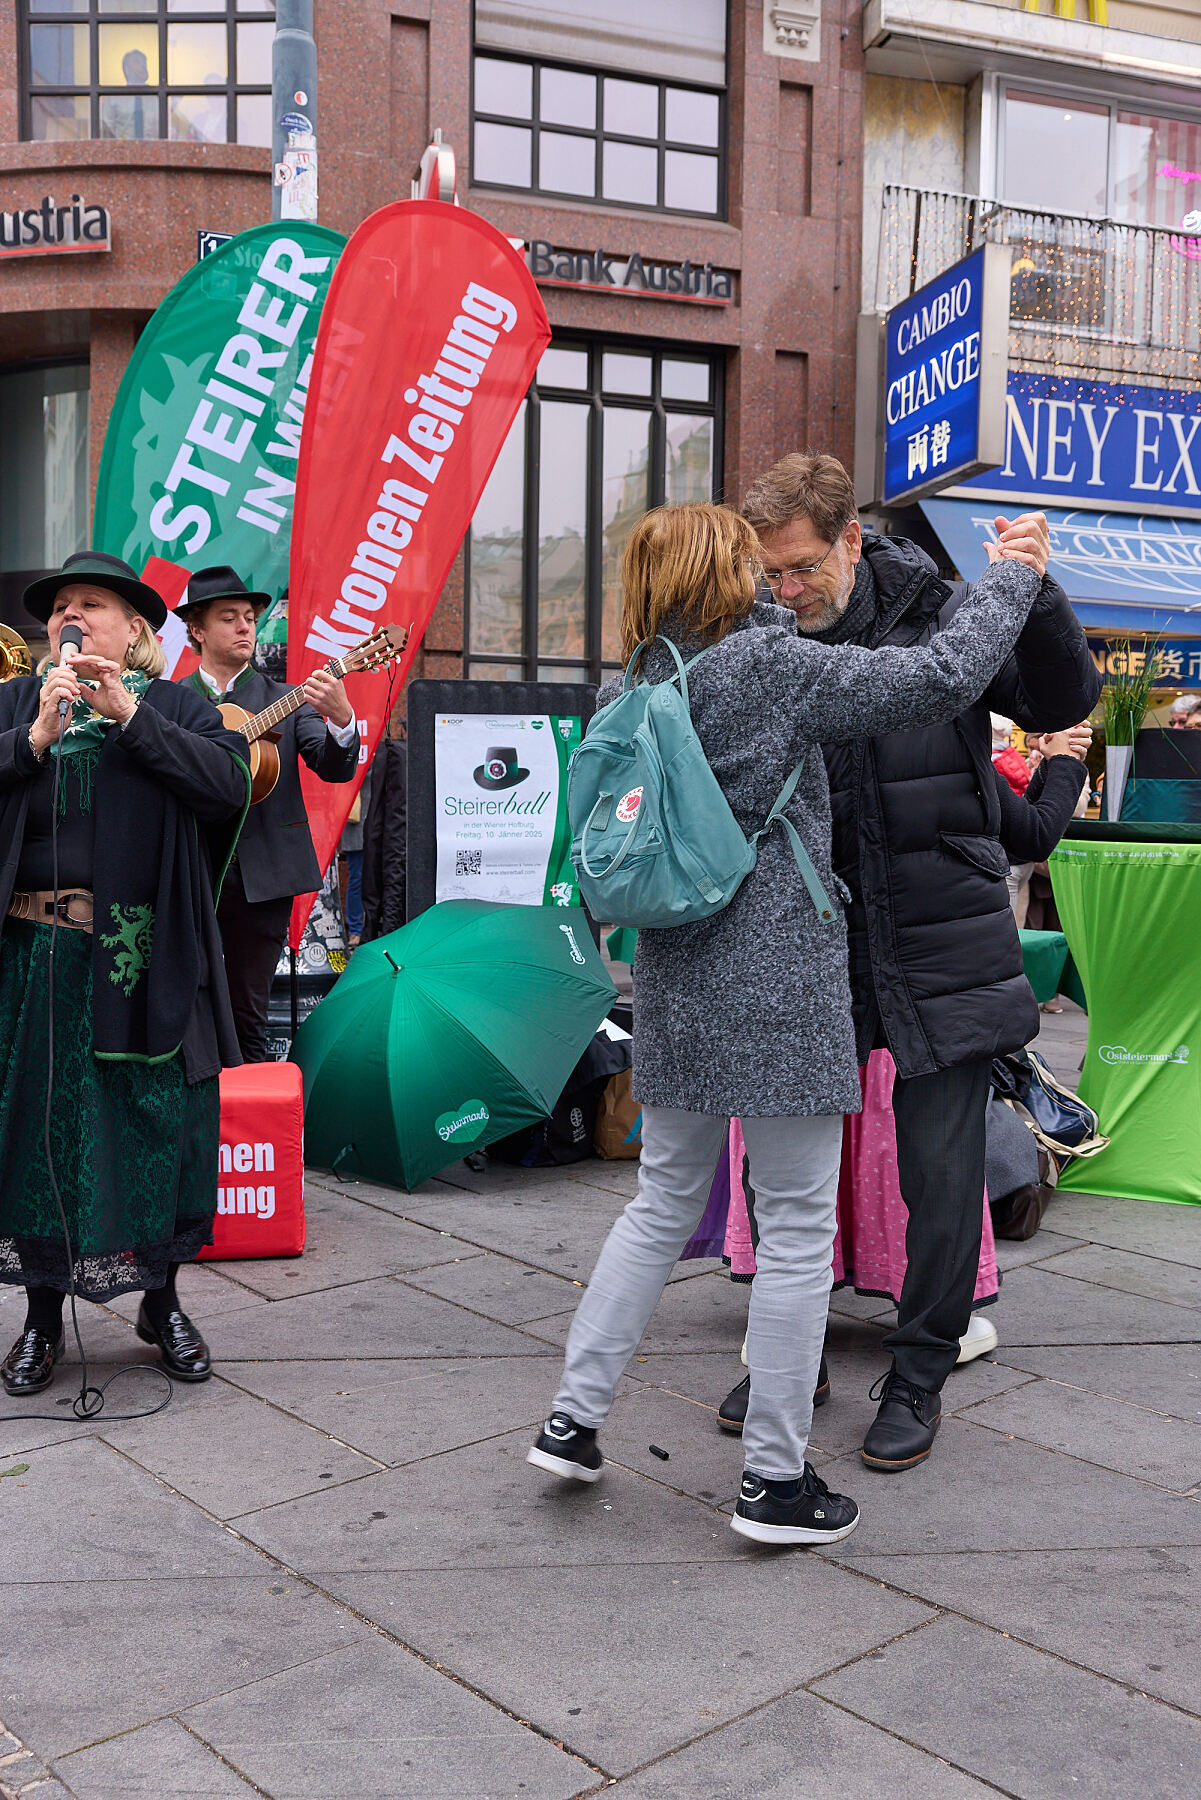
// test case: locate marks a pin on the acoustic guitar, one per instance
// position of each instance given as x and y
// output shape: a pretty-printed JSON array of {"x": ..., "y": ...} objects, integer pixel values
[{"x": 259, "y": 729}]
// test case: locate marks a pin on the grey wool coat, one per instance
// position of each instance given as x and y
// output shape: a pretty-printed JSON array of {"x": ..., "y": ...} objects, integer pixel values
[{"x": 748, "y": 1012}]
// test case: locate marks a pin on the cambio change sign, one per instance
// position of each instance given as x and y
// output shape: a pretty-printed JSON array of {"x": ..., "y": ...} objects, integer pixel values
[
  {"x": 200, "y": 455},
  {"x": 945, "y": 364}
]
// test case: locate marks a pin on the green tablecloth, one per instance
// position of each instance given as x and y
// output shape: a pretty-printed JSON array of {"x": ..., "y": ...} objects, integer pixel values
[{"x": 1130, "y": 911}]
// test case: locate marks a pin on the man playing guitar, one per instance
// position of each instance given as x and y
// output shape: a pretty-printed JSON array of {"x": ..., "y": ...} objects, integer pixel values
[{"x": 275, "y": 858}]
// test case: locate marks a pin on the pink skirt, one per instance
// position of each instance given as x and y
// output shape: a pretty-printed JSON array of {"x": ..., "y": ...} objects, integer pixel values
[{"x": 869, "y": 1243}]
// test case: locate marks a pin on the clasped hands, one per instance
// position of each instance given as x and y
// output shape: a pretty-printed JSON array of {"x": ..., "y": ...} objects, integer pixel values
[
  {"x": 108, "y": 697},
  {"x": 1024, "y": 539}
]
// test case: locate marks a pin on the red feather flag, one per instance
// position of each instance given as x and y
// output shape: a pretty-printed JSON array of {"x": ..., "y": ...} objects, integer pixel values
[{"x": 430, "y": 335}]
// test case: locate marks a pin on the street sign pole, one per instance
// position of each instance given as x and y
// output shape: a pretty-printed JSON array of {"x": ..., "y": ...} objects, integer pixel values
[{"x": 294, "y": 113}]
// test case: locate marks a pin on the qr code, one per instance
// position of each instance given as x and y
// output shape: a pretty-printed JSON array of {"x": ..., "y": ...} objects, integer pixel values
[{"x": 468, "y": 862}]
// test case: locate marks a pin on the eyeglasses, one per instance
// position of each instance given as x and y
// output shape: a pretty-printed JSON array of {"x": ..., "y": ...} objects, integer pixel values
[{"x": 775, "y": 578}]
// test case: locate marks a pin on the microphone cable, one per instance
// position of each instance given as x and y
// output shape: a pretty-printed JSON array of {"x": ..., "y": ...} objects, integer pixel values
[{"x": 89, "y": 1401}]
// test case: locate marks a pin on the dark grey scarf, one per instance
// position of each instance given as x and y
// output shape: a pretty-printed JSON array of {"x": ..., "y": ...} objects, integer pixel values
[{"x": 853, "y": 625}]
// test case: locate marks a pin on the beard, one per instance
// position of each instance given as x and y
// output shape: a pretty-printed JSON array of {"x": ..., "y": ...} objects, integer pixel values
[{"x": 823, "y": 616}]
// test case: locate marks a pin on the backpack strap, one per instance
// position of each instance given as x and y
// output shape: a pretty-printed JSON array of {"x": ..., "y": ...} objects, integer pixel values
[
  {"x": 681, "y": 666},
  {"x": 804, "y": 862}
]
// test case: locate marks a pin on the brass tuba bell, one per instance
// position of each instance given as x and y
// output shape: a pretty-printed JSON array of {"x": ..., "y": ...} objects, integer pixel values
[{"x": 14, "y": 654}]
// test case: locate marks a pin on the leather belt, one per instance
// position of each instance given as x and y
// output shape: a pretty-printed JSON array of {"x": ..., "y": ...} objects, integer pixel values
[{"x": 74, "y": 908}]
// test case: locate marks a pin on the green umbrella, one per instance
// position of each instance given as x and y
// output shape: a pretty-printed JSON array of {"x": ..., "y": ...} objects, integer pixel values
[{"x": 446, "y": 1035}]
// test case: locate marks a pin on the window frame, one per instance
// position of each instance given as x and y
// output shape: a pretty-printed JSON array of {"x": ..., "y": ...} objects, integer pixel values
[
  {"x": 161, "y": 92},
  {"x": 1113, "y": 102},
  {"x": 661, "y": 143},
  {"x": 595, "y": 667}
]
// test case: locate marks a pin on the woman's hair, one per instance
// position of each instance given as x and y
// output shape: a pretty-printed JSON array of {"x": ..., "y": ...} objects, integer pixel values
[
  {"x": 145, "y": 653},
  {"x": 697, "y": 562}
]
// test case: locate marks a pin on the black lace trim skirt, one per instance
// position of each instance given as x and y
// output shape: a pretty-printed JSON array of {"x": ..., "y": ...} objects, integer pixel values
[{"x": 134, "y": 1147}]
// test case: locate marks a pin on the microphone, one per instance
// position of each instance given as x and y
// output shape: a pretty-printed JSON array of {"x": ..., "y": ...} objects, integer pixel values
[{"x": 70, "y": 643}]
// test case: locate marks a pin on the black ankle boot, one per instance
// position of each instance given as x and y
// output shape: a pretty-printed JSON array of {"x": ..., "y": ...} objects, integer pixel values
[{"x": 731, "y": 1414}]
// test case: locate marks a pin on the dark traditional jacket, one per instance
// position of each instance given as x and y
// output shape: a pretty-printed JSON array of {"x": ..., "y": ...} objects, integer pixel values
[
  {"x": 936, "y": 966},
  {"x": 275, "y": 850},
  {"x": 162, "y": 784},
  {"x": 1033, "y": 823}
]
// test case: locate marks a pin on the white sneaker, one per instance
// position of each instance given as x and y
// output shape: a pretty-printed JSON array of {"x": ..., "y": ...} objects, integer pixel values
[{"x": 979, "y": 1338}]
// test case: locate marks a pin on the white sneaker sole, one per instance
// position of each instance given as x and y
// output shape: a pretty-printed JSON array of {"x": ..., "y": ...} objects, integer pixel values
[
  {"x": 789, "y": 1534},
  {"x": 562, "y": 1466},
  {"x": 977, "y": 1343}
]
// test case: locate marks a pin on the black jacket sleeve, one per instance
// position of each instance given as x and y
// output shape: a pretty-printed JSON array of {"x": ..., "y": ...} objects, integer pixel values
[
  {"x": 195, "y": 757},
  {"x": 1033, "y": 823},
  {"x": 1050, "y": 681},
  {"x": 325, "y": 757},
  {"x": 18, "y": 709}
]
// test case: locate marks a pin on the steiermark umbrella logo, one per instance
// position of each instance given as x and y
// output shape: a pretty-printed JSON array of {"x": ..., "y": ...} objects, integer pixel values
[{"x": 464, "y": 1124}]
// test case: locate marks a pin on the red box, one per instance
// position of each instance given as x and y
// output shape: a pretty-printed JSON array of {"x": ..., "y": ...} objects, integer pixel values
[{"x": 260, "y": 1170}]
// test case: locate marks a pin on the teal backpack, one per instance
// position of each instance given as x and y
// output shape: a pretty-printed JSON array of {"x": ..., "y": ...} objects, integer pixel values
[{"x": 654, "y": 842}]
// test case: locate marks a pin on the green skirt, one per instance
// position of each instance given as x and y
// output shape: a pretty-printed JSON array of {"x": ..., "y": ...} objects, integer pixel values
[{"x": 134, "y": 1147}]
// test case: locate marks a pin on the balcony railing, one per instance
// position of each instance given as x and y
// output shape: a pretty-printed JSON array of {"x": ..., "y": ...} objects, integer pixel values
[{"x": 1085, "y": 293}]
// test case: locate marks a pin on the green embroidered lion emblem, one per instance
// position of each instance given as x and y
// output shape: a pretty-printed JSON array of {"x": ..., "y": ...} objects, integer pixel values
[{"x": 131, "y": 941}]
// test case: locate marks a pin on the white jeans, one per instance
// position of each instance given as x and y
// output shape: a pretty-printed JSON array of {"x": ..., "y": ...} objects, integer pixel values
[{"x": 794, "y": 1172}]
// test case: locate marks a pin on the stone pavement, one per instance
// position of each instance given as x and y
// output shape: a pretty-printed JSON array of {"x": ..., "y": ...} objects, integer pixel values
[{"x": 329, "y": 1573}]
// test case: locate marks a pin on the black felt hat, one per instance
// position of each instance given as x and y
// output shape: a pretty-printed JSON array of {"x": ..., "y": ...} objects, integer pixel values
[
  {"x": 218, "y": 583},
  {"x": 96, "y": 569}
]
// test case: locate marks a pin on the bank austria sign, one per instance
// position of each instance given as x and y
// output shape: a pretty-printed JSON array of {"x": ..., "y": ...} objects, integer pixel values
[
  {"x": 50, "y": 230},
  {"x": 945, "y": 362},
  {"x": 626, "y": 272},
  {"x": 1115, "y": 447}
]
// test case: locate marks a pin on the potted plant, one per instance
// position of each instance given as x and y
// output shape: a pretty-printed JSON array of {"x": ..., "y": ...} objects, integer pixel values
[{"x": 1126, "y": 700}]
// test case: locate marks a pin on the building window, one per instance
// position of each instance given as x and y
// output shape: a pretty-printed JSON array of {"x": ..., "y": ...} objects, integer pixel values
[
  {"x": 589, "y": 136},
  {"x": 158, "y": 69},
  {"x": 43, "y": 472},
  {"x": 606, "y": 431}
]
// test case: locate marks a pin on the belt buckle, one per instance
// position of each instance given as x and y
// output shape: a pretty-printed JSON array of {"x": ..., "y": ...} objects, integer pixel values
[{"x": 64, "y": 912}]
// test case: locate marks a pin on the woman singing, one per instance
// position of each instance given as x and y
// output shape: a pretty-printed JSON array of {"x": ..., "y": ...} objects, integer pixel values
[{"x": 114, "y": 818}]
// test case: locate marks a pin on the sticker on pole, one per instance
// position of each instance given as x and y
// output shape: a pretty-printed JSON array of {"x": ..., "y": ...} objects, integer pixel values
[{"x": 628, "y": 805}]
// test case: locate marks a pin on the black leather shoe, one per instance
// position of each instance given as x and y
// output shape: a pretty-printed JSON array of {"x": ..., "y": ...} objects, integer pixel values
[
  {"x": 902, "y": 1432},
  {"x": 731, "y": 1414},
  {"x": 29, "y": 1365},
  {"x": 184, "y": 1350}
]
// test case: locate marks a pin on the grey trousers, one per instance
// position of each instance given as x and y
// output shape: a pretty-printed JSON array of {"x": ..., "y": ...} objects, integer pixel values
[{"x": 794, "y": 1167}]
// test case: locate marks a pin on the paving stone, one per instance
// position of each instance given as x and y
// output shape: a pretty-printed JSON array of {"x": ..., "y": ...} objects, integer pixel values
[
  {"x": 704, "y": 1313},
  {"x": 1042, "y": 1308},
  {"x": 401, "y": 1411},
  {"x": 999, "y": 1709},
  {"x": 206, "y": 1290},
  {"x": 1117, "y": 1435},
  {"x": 371, "y": 1319},
  {"x": 981, "y": 1491},
  {"x": 1148, "y": 1227},
  {"x": 83, "y": 1513},
  {"x": 851, "y": 1305},
  {"x": 157, "y": 1762},
  {"x": 602, "y": 1688},
  {"x": 801, "y": 1748},
  {"x": 375, "y": 1723},
  {"x": 518, "y": 1517},
  {"x": 1178, "y": 1284},
  {"x": 1131, "y": 1614},
  {"x": 1013, "y": 1253},
  {"x": 98, "y": 1657},
  {"x": 702, "y": 1460},
  {"x": 348, "y": 1240},
  {"x": 232, "y": 1453},
  {"x": 562, "y": 1234},
  {"x": 499, "y": 1287},
  {"x": 1165, "y": 1377}
]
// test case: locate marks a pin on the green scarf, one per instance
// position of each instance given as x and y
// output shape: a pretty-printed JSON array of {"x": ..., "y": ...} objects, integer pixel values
[{"x": 83, "y": 738}]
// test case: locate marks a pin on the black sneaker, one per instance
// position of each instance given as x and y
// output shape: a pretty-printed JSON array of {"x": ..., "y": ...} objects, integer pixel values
[
  {"x": 731, "y": 1414},
  {"x": 567, "y": 1449},
  {"x": 902, "y": 1432},
  {"x": 793, "y": 1512}
]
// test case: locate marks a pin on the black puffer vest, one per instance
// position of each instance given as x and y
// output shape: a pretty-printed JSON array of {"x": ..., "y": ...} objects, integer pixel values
[{"x": 934, "y": 950}]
